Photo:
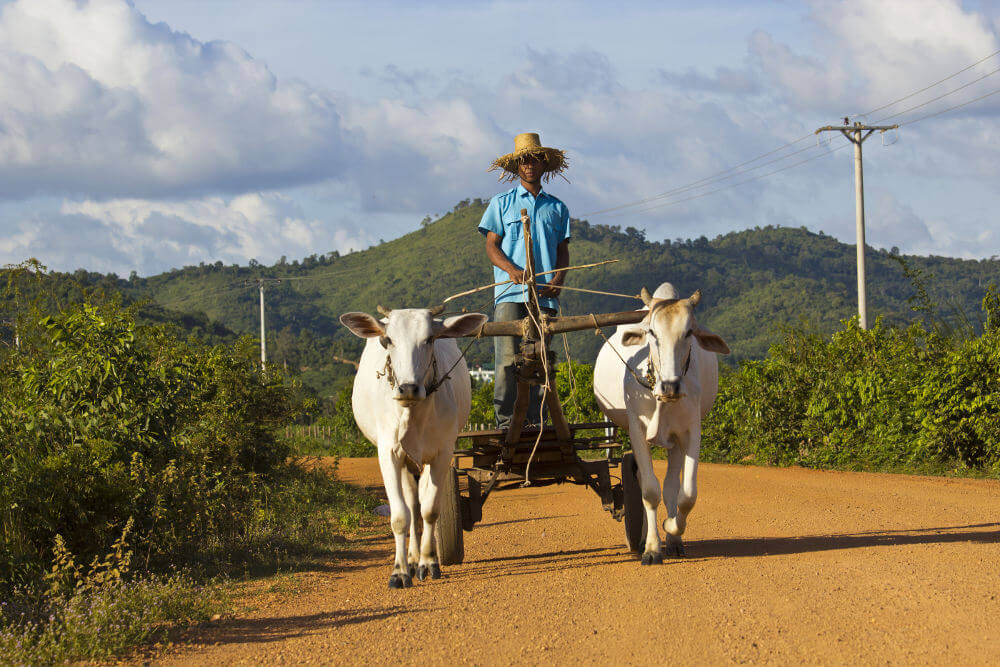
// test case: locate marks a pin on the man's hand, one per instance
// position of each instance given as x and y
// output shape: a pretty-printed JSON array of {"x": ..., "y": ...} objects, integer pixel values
[
  {"x": 500, "y": 260},
  {"x": 553, "y": 288},
  {"x": 549, "y": 291},
  {"x": 555, "y": 282}
]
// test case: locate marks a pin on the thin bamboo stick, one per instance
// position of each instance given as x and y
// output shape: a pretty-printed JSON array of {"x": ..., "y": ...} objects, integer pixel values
[{"x": 541, "y": 273}]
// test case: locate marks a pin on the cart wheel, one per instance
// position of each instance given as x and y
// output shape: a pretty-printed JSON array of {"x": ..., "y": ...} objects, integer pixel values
[
  {"x": 635, "y": 511},
  {"x": 448, "y": 533}
]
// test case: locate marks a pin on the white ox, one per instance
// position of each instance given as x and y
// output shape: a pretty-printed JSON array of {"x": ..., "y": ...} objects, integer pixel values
[
  {"x": 677, "y": 359},
  {"x": 406, "y": 354}
]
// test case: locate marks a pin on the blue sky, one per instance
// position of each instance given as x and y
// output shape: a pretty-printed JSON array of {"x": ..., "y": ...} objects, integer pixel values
[{"x": 148, "y": 135}]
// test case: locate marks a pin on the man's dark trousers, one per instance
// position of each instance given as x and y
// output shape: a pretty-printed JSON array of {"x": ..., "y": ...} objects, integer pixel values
[{"x": 505, "y": 380}]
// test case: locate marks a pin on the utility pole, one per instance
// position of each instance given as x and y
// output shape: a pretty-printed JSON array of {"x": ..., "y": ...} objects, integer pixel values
[
  {"x": 855, "y": 136},
  {"x": 260, "y": 283}
]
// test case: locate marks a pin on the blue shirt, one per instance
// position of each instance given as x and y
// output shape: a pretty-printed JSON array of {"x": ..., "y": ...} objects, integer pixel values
[{"x": 549, "y": 228}]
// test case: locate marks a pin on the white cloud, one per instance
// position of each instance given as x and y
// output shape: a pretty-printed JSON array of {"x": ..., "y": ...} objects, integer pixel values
[
  {"x": 890, "y": 222},
  {"x": 898, "y": 46},
  {"x": 96, "y": 100},
  {"x": 123, "y": 234},
  {"x": 172, "y": 150}
]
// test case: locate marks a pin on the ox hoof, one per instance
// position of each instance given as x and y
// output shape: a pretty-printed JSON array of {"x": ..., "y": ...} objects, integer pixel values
[
  {"x": 412, "y": 569},
  {"x": 422, "y": 572},
  {"x": 650, "y": 558},
  {"x": 676, "y": 549},
  {"x": 400, "y": 581},
  {"x": 435, "y": 571}
]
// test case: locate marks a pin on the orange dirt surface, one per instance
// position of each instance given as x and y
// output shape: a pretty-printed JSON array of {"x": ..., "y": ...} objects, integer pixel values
[{"x": 783, "y": 565}]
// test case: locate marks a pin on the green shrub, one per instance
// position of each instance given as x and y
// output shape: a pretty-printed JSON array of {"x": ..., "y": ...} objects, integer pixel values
[
  {"x": 958, "y": 405},
  {"x": 576, "y": 393},
  {"x": 344, "y": 437},
  {"x": 882, "y": 399},
  {"x": 125, "y": 452},
  {"x": 98, "y": 611},
  {"x": 102, "y": 420},
  {"x": 482, "y": 404}
]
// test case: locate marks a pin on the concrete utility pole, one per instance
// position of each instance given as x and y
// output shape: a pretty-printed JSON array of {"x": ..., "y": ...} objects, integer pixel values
[
  {"x": 855, "y": 136},
  {"x": 260, "y": 282}
]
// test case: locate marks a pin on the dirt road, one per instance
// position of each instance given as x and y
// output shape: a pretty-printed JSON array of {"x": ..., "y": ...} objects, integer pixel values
[{"x": 784, "y": 565}]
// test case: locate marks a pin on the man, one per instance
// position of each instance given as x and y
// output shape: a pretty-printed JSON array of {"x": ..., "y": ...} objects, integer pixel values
[{"x": 530, "y": 163}]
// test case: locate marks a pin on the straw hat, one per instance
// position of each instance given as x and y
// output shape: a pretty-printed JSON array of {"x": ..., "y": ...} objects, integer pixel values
[{"x": 528, "y": 143}]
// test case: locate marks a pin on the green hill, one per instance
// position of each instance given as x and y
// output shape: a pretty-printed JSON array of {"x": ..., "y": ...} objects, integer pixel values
[{"x": 754, "y": 283}]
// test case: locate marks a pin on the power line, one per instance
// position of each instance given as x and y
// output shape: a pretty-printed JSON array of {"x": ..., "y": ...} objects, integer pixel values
[
  {"x": 935, "y": 99},
  {"x": 708, "y": 180},
  {"x": 913, "y": 94},
  {"x": 721, "y": 175},
  {"x": 957, "y": 106},
  {"x": 800, "y": 162},
  {"x": 329, "y": 273},
  {"x": 240, "y": 285},
  {"x": 734, "y": 185},
  {"x": 199, "y": 295}
]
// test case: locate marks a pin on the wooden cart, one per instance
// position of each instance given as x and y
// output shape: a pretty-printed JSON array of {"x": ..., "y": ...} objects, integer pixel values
[{"x": 486, "y": 461}]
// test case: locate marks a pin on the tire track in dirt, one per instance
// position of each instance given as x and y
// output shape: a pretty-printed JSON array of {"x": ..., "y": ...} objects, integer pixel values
[{"x": 784, "y": 565}]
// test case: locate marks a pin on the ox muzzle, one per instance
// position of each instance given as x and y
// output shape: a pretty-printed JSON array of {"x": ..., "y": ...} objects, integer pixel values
[
  {"x": 669, "y": 391},
  {"x": 409, "y": 394}
]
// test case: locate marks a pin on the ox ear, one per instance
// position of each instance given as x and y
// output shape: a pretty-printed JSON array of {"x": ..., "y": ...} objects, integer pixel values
[
  {"x": 362, "y": 325},
  {"x": 710, "y": 341},
  {"x": 633, "y": 335},
  {"x": 460, "y": 325}
]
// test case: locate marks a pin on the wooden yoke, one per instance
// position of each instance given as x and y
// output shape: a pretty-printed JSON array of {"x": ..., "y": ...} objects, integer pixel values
[{"x": 554, "y": 325}]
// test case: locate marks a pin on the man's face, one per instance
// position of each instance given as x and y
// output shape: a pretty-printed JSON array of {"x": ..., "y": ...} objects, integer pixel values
[{"x": 530, "y": 169}]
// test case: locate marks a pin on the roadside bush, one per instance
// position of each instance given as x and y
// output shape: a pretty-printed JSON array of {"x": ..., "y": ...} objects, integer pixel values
[
  {"x": 883, "y": 399},
  {"x": 102, "y": 421},
  {"x": 575, "y": 384},
  {"x": 482, "y": 404},
  {"x": 958, "y": 404},
  {"x": 344, "y": 438},
  {"x": 576, "y": 393},
  {"x": 95, "y": 612},
  {"x": 125, "y": 440}
]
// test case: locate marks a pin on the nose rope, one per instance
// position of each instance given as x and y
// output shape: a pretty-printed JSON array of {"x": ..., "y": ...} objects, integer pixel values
[
  {"x": 387, "y": 372},
  {"x": 390, "y": 375}
]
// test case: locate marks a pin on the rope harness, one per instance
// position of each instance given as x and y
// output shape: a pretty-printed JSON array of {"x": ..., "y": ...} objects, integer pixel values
[
  {"x": 387, "y": 372},
  {"x": 649, "y": 379},
  {"x": 435, "y": 384}
]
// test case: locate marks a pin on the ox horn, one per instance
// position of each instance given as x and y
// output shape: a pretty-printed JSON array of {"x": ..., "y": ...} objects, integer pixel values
[
  {"x": 695, "y": 298},
  {"x": 646, "y": 297},
  {"x": 436, "y": 310},
  {"x": 383, "y": 311}
]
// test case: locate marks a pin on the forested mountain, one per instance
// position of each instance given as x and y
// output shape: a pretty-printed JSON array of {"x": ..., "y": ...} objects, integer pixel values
[{"x": 754, "y": 282}]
